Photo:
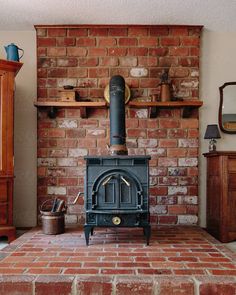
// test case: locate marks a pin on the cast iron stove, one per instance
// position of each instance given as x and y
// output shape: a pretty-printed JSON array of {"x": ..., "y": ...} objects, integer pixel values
[{"x": 117, "y": 186}]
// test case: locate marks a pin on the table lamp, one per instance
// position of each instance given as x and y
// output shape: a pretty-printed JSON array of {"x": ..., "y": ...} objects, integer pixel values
[{"x": 212, "y": 132}]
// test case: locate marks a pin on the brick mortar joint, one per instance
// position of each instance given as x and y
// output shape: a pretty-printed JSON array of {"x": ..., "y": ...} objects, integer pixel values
[
  {"x": 33, "y": 284},
  {"x": 73, "y": 287},
  {"x": 196, "y": 285}
]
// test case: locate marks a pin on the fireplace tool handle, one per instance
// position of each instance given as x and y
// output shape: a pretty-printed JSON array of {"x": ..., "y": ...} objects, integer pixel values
[
  {"x": 107, "y": 180},
  {"x": 76, "y": 199}
]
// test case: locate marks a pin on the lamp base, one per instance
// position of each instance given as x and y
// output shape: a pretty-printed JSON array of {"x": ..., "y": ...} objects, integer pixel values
[{"x": 212, "y": 145}]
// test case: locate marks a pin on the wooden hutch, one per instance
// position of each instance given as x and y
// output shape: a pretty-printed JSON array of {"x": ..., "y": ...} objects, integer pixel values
[{"x": 8, "y": 71}]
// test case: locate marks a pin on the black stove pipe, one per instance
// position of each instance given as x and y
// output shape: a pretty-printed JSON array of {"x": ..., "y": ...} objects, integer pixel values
[{"x": 117, "y": 116}]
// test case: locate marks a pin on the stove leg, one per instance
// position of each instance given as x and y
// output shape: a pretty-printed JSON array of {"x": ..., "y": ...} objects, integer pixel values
[
  {"x": 87, "y": 231},
  {"x": 147, "y": 233},
  {"x": 92, "y": 231}
]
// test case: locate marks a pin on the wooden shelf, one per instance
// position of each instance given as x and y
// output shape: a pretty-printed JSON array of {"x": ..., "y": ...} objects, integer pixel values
[
  {"x": 172, "y": 104},
  {"x": 187, "y": 105},
  {"x": 52, "y": 106}
]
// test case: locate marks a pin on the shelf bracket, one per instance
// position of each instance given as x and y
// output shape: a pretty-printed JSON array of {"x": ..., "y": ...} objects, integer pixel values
[
  {"x": 83, "y": 112},
  {"x": 153, "y": 111},
  {"x": 187, "y": 111},
  {"x": 52, "y": 112}
]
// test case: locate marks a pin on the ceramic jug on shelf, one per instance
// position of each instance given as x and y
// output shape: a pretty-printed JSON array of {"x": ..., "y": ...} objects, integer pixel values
[{"x": 12, "y": 51}]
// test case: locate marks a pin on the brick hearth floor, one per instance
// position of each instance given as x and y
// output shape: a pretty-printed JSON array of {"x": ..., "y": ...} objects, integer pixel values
[{"x": 179, "y": 260}]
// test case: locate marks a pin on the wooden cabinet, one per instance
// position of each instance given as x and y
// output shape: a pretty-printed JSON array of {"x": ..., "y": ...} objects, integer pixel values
[
  {"x": 8, "y": 71},
  {"x": 221, "y": 195}
]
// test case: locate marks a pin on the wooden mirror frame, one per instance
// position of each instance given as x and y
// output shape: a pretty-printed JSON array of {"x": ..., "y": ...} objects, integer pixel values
[{"x": 221, "y": 88}]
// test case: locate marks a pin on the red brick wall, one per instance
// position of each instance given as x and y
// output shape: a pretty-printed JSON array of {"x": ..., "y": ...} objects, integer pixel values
[{"x": 86, "y": 57}]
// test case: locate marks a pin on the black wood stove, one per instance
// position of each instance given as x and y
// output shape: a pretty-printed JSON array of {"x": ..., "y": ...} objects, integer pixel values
[{"x": 117, "y": 186}]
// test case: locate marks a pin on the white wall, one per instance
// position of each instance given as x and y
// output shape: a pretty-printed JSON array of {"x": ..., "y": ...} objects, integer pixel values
[
  {"x": 218, "y": 65},
  {"x": 25, "y": 133}
]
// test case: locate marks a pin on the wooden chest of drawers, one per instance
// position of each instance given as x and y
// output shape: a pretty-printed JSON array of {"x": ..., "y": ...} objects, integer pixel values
[{"x": 221, "y": 195}]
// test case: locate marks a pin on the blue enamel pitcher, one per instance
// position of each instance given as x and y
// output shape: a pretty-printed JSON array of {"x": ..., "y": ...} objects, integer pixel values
[{"x": 12, "y": 51}]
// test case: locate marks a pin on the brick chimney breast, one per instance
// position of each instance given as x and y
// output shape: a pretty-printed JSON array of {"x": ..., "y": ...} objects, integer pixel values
[{"x": 86, "y": 57}]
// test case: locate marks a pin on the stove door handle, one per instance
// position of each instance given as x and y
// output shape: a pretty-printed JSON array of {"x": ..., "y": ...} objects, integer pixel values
[
  {"x": 125, "y": 181},
  {"x": 107, "y": 180}
]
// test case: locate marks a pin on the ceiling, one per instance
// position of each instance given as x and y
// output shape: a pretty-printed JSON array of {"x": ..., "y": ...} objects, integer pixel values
[{"x": 215, "y": 15}]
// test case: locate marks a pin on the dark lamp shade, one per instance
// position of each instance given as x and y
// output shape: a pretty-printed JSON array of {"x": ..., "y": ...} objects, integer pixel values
[{"x": 212, "y": 132}]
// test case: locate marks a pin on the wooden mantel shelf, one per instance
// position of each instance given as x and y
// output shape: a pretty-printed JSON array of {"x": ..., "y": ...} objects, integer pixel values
[
  {"x": 187, "y": 105},
  {"x": 82, "y": 105},
  {"x": 165, "y": 104}
]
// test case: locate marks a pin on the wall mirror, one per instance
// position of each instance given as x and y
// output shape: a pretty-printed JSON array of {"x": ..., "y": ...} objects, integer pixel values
[{"x": 227, "y": 108}]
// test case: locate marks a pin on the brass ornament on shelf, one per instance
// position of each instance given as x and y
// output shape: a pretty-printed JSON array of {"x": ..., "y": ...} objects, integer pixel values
[{"x": 127, "y": 93}]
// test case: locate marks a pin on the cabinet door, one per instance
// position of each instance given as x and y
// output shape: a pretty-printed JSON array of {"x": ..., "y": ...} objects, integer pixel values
[
  {"x": 232, "y": 198},
  {"x": 3, "y": 83},
  {"x": 6, "y": 123},
  {"x": 3, "y": 214},
  {"x": 213, "y": 195},
  {"x": 5, "y": 201}
]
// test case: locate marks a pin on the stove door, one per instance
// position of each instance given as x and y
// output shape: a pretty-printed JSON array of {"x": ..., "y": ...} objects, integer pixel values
[{"x": 118, "y": 191}]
